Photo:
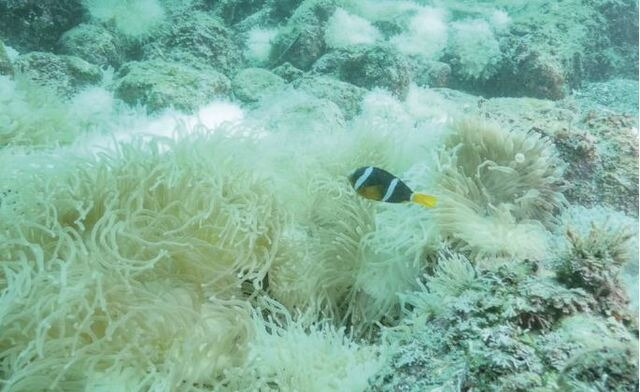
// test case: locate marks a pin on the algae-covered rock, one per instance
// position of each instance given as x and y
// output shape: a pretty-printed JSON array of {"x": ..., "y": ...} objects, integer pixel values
[
  {"x": 65, "y": 74},
  {"x": 550, "y": 49},
  {"x": 197, "y": 39},
  {"x": 471, "y": 328},
  {"x": 370, "y": 67},
  {"x": 593, "y": 262},
  {"x": 301, "y": 41},
  {"x": 159, "y": 84},
  {"x": 282, "y": 9},
  {"x": 298, "y": 112},
  {"x": 601, "y": 147},
  {"x": 252, "y": 84},
  {"x": 6, "y": 68},
  {"x": 345, "y": 95},
  {"x": 94, "y": 44},
  {"x": 288, "y": 72},
  {"x": 426, "y": 73},
  {"x": 37, "y": 25},
  {"x": 619, "y": 95},
  {"x": 534, "y": 74},
  {"x": 590, "y": 353},
  {"x": 234, "y": 11},
  {"x": 602, "y": 153}
]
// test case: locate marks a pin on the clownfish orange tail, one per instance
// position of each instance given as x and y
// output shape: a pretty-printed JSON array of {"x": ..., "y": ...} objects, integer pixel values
[{"x": 424, "y": 199}]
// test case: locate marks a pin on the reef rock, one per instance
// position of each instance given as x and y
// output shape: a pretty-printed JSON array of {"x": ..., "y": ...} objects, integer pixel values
[
  {"x": 301, "y": 41},
  {"x": 6, "y": 68},
  {"x": 37, "y": 25},
  {"x": 345, "y": 95},
  {"x": 159, "y": 84},
  {"x": 428, "y": 73},
  {"x": 368, "y": 67},
  {"x": 550, "y": 49},
  {"x": 199, "y": 40},
  {"x": 65, "y": 74},
  {"x": 288, "y": 72},
  {"x": 94, "y": 44},
  {"x": 252, "y": 84}
]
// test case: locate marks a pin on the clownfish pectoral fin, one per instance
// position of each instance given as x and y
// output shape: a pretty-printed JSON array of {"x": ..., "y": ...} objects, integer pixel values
[
  {"x": 424, "y": 199},
  {"x": 372, "y": 192}
]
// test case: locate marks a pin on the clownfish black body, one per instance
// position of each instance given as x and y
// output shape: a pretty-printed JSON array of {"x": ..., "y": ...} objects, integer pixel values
[{"x": 380, "y": 185}]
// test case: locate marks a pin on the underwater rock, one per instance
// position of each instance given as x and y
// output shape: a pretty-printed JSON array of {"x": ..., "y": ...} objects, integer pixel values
[
  {"x": 37, "y": 25},
  {"x": 288, "y": 72},
  {"x": 602, "y": 153},
  {"x": 298, "y": 111},
  {"x": 6, "y": 68},
  {"x": 551, "y": 49},
  {"x": 428, "y": 73},
  {"x": 65, "y": 74},
  {"x": 602, "y": 146},
  {"x": 94, "y": 44},
  {"x": 258, "y": 20},
  {"x": 345, "y": 95},
  {"x": 536, "y": 76},
  {"x": 252, "y": 84},
  {"x": 523, "y": 72},
  {"x": 368, "y": 67},
  {"x": 612, "y": 48},
  {"x": 617, "y": 95},
  {"x": 282, "y": 9},
  {"x": 196, "y": 39},
  {"x": 301, "y": 41},
  {"x": 234, "y": 11},
  {"x": 160, "y": 84}
]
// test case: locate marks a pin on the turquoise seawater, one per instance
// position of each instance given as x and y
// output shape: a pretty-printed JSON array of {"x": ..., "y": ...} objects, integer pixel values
[{"x": 319, "y": 195}]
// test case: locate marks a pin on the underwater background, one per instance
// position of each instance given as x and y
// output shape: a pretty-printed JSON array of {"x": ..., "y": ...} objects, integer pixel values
[{"x": 176, "y": 212}]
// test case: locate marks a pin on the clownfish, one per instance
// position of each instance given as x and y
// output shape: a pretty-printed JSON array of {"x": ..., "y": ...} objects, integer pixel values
[{"x": 380, "y": 185}]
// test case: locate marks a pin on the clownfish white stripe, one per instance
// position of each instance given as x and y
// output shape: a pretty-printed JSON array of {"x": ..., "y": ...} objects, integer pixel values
[
  {"x": 363, "y": 177},
  {"x": 390, "y": 189}
]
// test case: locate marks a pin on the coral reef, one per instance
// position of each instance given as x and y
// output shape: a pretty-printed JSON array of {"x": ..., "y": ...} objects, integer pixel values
[{"x": 175, "y": 212}]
